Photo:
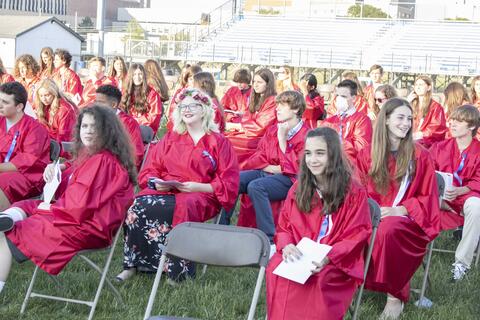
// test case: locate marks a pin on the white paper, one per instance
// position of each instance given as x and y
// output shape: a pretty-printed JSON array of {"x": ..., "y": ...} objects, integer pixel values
[
  {"x": 76, "y": 99},
  {"x": 300, "y": 270},
  {"x": 448, "y": 178},
  {"x": 51, "y": 187},
  {"x": 28, "y": 110}
]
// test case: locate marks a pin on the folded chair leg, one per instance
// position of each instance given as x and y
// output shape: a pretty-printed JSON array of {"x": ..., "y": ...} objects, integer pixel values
[
  {"x": 423, "y": 302},
  {"x": 29, "y": 290},
  {"x": 256, "y": 294}
]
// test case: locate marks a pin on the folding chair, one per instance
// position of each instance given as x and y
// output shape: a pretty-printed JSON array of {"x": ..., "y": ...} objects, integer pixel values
[
  {"x": 424, "y": 302},
  {"x": 102, "y": 271},
  {"x": 147, "y": 138},
  {"x": 219, "y": 245},
  {"x": 54, "y": 150},
  {"x": 375, "y": 216}
]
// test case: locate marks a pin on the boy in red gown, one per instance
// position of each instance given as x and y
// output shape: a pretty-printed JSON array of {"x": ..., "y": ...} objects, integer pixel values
[
  {"x": 354, "y": 127},
  {"x": 111, "y": 96},
  {"x": 460, "y": 156},
  {"x": 235, "y": 100},
  {"x": 376, "y": 75},
  {"x": 96, "y": 67},
  {"x": 67, "y": 80},
  {"x": 24, "y": 147}
]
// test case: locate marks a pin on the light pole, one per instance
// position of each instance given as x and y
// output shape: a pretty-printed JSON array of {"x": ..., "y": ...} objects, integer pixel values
[{"x": 100, "y": 25}]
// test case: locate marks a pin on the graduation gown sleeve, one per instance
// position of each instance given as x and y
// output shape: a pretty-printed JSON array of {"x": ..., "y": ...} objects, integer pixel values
[
  {"x": 433, "y": 126},
  {"x": 255, "y": 124},
  {"x": 135, "y": 134}
]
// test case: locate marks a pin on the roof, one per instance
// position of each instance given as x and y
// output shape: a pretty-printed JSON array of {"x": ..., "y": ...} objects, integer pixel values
[{"x": 12, "y": 26}]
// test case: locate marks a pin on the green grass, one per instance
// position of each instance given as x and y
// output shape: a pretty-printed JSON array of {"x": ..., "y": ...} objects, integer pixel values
[{"x": 223, "y": 293}]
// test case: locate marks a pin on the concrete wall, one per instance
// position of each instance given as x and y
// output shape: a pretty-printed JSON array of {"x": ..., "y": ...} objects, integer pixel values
[{"x": 7, "y": 52}]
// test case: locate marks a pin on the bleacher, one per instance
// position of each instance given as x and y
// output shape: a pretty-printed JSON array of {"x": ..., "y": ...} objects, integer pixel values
[{"x": 398, "y": 45}]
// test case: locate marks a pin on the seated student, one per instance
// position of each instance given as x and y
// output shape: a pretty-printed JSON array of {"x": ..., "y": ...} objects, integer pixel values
[
  {"x": 475, "y": 91},
  {"x": 399, "y": 175},
  {"x": 315, "y": 102},
  {"x": 260, "y": 115},
  {"x": 26, "y": 70},
  {"x": 285, "y": 80},
  {"x": 354, "y": 127},
  {"x": 111, "y": 96},
  {"x": 47, "y": 67},
  {"x": 4, "y": 76},
  {"x": 87, "y": 213},
  {"x": 381, "y": 95},
  {"x": 24, "y": 147},
  {"x": 376, "y": 75},
  {"x": 328, "y": 206},
  {"x": 460, "y": 156},
  {"x": 96, "y": 68},
  {"x": 237, "y": 96},
  {"x": 140, "y": 100},
  {"x": 203, "y": 165},
  {"x": 56, "y": 113},
  {"x": 118, "y": 71},
  {"x": 361, "y": 104},
  {"x": 429, "y": 123},
  {"x": 271, "y": 170},
  {"x": 67, "y": 80},
  {"x": 204, "y": 81}
]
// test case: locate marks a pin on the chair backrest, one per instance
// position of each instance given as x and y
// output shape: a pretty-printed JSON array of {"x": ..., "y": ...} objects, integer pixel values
[
  {"x": 219, "y": 245},
  {"x": 54, "y": 150},
  {"x": 375, "y": 213},
  {"x": 147, "y": 134},
  {"x": 440, "y": 184}
]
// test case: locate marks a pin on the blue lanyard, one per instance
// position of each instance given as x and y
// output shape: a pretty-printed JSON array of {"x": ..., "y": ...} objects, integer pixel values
[
  {"x": 323, "y": 228},
  {"x": 12, "y": 147},
  {"x": 460, "y": 168}
]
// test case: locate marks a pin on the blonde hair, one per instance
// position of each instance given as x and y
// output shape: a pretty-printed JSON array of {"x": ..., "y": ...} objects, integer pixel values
[
  {"x": 475, "y": 95},
  {"x": 455, "y": 95},
  {"x": 280, "y": 83},
  {"x": 204, "y": 100},
  {"x": 350, "y": 75},
  {"x": 53, "y": 89}
]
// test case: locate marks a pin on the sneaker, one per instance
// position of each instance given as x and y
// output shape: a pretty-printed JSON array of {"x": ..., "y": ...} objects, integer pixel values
[
  {"x": 459, "y": 271},
  {"x": 6, "y": 222},
  {"x": 126, "y": 274}
]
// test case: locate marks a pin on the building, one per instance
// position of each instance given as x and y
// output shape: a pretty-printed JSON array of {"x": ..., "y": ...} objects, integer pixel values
[{"x": 29, "y": 34}]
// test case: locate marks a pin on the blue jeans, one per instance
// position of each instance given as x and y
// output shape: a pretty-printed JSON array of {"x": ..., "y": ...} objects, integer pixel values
[{"x": 263, "y": 187}]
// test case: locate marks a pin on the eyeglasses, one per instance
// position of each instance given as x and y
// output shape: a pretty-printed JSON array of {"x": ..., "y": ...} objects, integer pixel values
[
  {"x": 380, "y": 100},
  {"x": 193, "y": 107}
]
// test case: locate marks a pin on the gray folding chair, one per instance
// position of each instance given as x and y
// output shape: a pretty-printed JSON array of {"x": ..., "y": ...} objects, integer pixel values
[
  {"x": 67, "y": 146},
  {"x": 147, "y": 138},
  {"x": 219, "y": 245},
  {"x": 54, "y": 150},
  {"x": 422, "y": 301},
  {"x": 375, "y": 216},
  {"x": 102, "y": 271}
]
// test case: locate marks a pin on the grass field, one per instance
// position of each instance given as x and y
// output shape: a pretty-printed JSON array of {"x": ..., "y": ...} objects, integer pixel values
[{"x": 221, "y": 294}]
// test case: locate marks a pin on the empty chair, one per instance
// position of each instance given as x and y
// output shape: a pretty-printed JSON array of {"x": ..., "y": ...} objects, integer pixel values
[{"x": 219, "y": 245}]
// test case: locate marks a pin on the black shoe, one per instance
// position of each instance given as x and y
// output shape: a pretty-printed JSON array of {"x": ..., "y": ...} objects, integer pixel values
[
  {"x": 457, "y": 233},
  {"x": 6, "y": 222}
]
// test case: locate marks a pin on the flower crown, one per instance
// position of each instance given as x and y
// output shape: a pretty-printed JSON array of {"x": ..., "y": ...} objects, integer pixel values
[{"x": 195, "y": 94}]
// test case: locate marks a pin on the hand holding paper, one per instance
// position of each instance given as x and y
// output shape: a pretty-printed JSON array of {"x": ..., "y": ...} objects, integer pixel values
[{"x": 51, "y": 186}]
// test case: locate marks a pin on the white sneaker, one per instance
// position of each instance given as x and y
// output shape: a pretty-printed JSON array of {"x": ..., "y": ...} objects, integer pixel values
[
  {"x": 6, "y": 222},
  {"x": 273, "y": 249},
  {"x": 459, "y": 271}
]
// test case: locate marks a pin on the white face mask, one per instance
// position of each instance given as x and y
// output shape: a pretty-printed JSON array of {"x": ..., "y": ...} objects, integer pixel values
[{"x": 342, "y": 104}]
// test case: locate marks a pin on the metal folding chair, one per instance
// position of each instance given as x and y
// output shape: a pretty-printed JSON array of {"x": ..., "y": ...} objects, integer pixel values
[
  {"x": 54, "y": 150},
  {"x": 102, "y": 271},
  {"x": 219, "y": 245},
  {"x": 375, "y": 215},
  {"x": 422, "y": 301},
  {"x": 147, "y": 138}
]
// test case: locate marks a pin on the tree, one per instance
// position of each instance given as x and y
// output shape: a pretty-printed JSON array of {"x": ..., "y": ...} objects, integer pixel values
[
  {"x": 134, "y": 31},
  {"x": 86, "y": 23},
  {"x": 368, "y": 12}
]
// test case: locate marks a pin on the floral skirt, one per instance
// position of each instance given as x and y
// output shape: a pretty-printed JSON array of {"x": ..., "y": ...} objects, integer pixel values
[{"x": 148, "y": 222}]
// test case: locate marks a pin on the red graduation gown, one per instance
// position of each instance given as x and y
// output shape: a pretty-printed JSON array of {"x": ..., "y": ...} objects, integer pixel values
[
  {"x": 327, "y": 294},
  {"x": 254, "y": 126},
  {"x": 447, "y": 158},
  {"x": 133, "y": 130},
  {"x": 61, "y": 126},
  {"x": 30, "y": 156},
  {"x": 219, "y": 118},
  {"x": 69, "y": 83},
  {"x": 89, "y": 91},
  {"x": 31, "y": 87},
  {"x": 401, "y": 242},
  {"x": 153, "y": 115},
  {"x": 433, "y": 126},
  {"x": 236, "y": 100},
  {"x": 212, "y": 161},
  {"x": 4, "y": 78},
  {"x": 269, "y": 153},
  {"x": 356, "y": 131},
  {"x": 86, "y": 216},
  {"x": 361, "y": 105},
  {"x": 314, "y": 111}
]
